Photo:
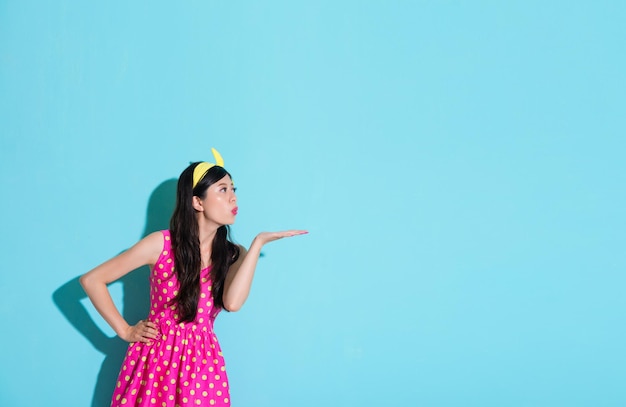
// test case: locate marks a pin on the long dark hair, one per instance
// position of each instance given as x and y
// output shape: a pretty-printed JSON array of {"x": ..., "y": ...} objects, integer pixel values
[{"x": 186, "y": 245}]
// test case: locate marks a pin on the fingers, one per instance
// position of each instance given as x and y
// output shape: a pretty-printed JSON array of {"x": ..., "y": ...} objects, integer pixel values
[
  {"x": 149, "y": 326},
  {"x": 291, "y": 233},
  {"x": 148, "y": 331},
  {"x": 266, "y": 237},
  {"x": 144, "y": 331},
  {"x": 297, "y": 232}
]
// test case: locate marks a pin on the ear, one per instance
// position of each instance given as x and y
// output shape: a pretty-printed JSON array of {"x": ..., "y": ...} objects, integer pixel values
[{"x": 197, "y": 204}]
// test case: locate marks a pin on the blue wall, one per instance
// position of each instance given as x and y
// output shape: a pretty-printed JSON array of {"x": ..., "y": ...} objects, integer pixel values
[{"x": 460, "y": 166}]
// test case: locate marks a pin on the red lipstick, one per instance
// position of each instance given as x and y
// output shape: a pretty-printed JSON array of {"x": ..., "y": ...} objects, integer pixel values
[{"x": 235, "y": 210}]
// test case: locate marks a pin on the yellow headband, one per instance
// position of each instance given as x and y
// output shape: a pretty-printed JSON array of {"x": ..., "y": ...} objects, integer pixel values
[{"x": 203, "y": 167}]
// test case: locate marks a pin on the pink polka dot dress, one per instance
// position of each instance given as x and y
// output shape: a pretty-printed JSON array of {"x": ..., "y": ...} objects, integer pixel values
[{"x": 184, "y": 366}]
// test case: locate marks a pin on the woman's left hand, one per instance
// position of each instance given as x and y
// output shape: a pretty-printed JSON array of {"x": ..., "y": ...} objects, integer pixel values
[
  {"x": 266, "y": 237},
  {"x": 239, "y": 278}
]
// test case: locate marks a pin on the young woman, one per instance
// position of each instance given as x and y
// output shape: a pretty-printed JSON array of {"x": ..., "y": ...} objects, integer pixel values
[{"x": 174, "y": 358}]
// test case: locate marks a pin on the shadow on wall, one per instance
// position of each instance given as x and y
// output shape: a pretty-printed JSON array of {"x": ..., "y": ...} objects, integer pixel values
[{"x": 135, "y": 303}]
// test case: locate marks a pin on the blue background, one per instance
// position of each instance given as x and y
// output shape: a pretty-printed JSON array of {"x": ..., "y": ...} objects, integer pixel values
[{"x": 459, "y": 165}]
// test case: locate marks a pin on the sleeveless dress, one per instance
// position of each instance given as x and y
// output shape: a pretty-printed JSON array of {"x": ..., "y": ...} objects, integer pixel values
[{"x": 184, "y": 366}]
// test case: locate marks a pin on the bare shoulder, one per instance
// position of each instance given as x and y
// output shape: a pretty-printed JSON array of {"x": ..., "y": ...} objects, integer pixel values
[
  {"x": 149, "y": 248},
  {"x": 242, "y": 255},
  {"x": 146, "y": 251},
  {"x": 154, "y": 238},
  {"x": 242, "y": 250}
]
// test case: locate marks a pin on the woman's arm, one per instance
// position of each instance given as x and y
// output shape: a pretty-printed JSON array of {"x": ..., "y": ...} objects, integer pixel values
[
  {"x": 146, "y": 251},
  {"x": 239, "y": 277}
]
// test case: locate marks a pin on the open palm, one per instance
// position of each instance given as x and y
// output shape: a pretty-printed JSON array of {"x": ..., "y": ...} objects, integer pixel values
[{"x": 266, "y": 237}]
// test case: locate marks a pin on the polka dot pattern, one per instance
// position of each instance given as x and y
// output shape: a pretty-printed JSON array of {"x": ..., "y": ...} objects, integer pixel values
[{"x": 181, "y": 367}]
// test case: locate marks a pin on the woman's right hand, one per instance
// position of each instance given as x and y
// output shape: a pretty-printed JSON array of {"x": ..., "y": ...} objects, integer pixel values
[
  {"x": 144, "y": 331},
  {"x": 96, "y": 281}
]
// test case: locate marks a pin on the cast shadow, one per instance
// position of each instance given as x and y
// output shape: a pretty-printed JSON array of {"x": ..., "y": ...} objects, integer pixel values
[{"x": 135, "y": 302}]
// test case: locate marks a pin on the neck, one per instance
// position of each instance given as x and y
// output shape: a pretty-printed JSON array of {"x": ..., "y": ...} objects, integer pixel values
[{"x": 206, "y": 235}]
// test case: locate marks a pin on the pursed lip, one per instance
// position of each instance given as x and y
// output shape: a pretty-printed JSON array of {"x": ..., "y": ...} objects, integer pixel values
[{"x": 235, "y": 210}]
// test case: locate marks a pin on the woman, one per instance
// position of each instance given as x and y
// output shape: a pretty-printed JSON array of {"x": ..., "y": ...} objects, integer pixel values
[{"x": 174, "y": 358}]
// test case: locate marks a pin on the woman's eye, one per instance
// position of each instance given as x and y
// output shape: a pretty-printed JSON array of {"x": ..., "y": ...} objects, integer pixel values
[{"x": 234, "y": 189}]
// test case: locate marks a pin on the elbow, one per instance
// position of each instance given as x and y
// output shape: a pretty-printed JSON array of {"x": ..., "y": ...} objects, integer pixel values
[
  {"x": 83, "y": 280},
  {"x": 231, "y": 307},
  {"x": 86, "y": 281}
]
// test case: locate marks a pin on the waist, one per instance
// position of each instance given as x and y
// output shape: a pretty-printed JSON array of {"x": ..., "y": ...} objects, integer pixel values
[{"x": 169, "y": 328}]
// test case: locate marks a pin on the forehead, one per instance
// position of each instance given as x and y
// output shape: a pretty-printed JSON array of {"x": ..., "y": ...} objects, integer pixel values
[{"x": 224, "y": 181}]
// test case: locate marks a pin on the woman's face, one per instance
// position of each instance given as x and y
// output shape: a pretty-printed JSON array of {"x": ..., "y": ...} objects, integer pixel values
[{"x": 220, "y": 202}]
